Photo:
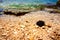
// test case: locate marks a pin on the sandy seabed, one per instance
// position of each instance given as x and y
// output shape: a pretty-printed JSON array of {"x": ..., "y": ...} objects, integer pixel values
[{"x": 25, "y": 28}]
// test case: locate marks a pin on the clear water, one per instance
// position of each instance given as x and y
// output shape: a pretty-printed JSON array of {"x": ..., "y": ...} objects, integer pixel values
[
  {"x": 1, "y": 9},
  {"x": 6, "y": 2}
]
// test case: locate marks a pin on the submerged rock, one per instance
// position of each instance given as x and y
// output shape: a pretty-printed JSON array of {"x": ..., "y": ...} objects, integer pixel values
[{"x": 15, "y": 12}]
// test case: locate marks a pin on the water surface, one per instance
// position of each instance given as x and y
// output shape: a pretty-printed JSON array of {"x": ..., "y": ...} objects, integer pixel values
[{"x": 6, "y": 2}]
